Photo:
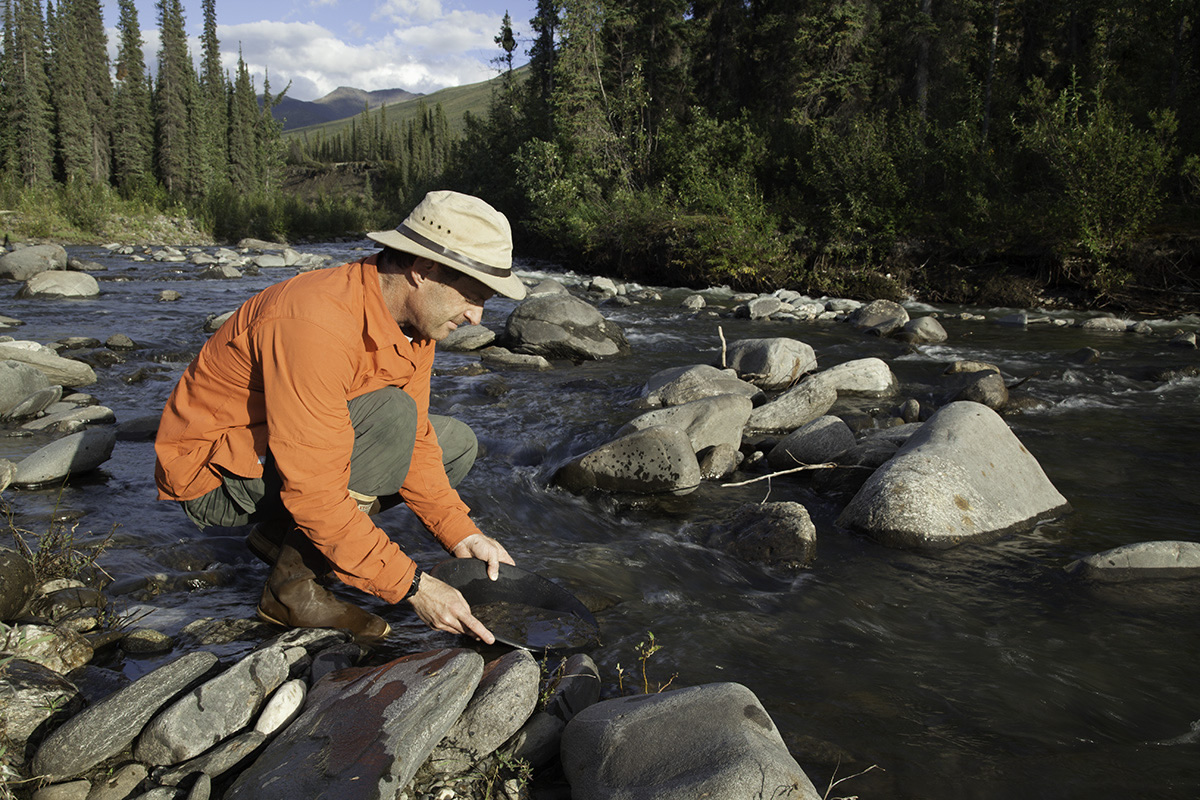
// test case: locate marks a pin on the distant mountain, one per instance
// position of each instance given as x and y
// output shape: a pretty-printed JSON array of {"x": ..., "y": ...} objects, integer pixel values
[{"x": 342, "y": 102}]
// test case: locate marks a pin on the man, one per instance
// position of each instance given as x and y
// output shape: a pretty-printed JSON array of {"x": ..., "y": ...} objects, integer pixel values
[{"x": 309, "y": 409}]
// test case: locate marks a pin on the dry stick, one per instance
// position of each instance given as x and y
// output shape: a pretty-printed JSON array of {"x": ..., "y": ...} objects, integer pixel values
[
  {"x": 721, "y": 333},
  {"x": 801, "y": 468}
]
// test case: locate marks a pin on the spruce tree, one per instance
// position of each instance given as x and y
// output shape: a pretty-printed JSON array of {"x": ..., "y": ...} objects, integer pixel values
[
  {"x": 214, "y": 102},
  {"x": 270, "y": 138},
  {"x": 30, "y": 117},
  {"x": 72, "y": 126},
  {"x": 243, "y": 126},
  {"x": 132, "y": 124},
  {"x": 171, "y": 97},
  {"x": 97, "y": 89}
]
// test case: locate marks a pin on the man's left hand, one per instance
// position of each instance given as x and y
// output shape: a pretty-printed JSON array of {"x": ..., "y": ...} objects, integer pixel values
[{"x": 485, "y": 548}]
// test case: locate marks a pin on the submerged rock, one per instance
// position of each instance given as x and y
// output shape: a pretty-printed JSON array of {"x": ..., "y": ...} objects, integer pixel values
[{"x": 1141, "y": 561}]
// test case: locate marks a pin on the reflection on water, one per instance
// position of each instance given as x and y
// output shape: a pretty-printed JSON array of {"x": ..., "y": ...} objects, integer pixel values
[{"x": 979, "y": 672}]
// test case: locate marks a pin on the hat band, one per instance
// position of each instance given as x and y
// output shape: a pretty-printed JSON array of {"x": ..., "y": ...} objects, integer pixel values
[{"x": 458, "y": 258}]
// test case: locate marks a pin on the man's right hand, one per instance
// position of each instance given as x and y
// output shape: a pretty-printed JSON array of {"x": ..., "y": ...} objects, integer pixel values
[{"x": 443, "y": 608}]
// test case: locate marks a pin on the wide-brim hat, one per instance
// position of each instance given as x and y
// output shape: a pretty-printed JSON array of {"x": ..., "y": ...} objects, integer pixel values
[{"x": 462, "y": 232}]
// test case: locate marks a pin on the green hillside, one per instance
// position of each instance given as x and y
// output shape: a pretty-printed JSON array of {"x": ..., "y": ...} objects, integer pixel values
[{"x": 455, "y": 101}]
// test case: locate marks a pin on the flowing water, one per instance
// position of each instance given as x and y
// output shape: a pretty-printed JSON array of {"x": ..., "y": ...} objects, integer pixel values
[{"x": 977, "y": 672}]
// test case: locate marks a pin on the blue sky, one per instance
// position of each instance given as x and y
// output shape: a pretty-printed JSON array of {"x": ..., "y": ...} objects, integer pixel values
[{"x": 319, "y": 45}]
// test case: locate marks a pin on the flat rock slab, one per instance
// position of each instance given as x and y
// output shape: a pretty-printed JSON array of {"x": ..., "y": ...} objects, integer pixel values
[
  {"x": 58, "y": 370},
  {"x": 711, "y": 741},
  {"x": 79, "y": 452},
  {"x": 364, "y": 732},
  {"x": 1141, "y": 561},
  {"x": 963, "y": 475}
]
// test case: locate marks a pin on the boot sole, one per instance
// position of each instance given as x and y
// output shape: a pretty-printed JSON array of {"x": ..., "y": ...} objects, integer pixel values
[{"x": 265, "y": 617}]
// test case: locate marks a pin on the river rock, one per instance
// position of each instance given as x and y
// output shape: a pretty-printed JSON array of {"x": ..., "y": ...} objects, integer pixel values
[
  {"x": 1104, "y": 324},
  {"x": 693, "y": 302},
  {"x": 880, "y": 317},
  {"x": 719, "y": 461},
  {"x": 233, "y": 752},
  {"x": 60, "y": 284},
  {"x": 365, "y": 731},
  {"x": 500, "y": 356},
  {"x": 106, "y": 728},
  {"x": 269, "y": 261},
  {"x": 868, "y": 377},
  {"x": 213, "y": 711},
  {"x": 214, "y": 321},
  {"x": 964, "y": 475},
  {"x": 17, "y": 583},
  {"x": 71, "y": 419},
  {"x": 773, "y": 363},
  {"x": 18, "y": 381},
  {"x": 70, "y": 455},
  {"x": 1141, "y": 561},
  {"x": 56, "y": 648},
  {"x": 23, "y": 264},
  {"x": 282, "y": 707},
  {"x": 539, "y": 740},
  {"x": 250, "y": 243},
  {"x": 816, "y": 442},
  {"x": 758, "y": 307},
  {"x": 58, "y": 370},
  {"x": 922, "y": 330},
  {"x": 678, "y": 385},
  {"x": 714, "y": 740},
  {"x": 467, "y": 338},
  {"x": 563, "y": 326},
  {"x": 35, "y": 403},
  {"x": 980, "y": 387},
  {"x": 708, "y": 422},
  {"x": 33, "y": 699},
  {"x": 796, "y": 407},
  {"x": 219, "y": 272},
  {"x": 547, "y": 286},
  {"x": 777, "y": 534},
  {"x": 502, "y": 703},
  {"x": 8, "y": 471},
  {"x": 655, "y": 460}
]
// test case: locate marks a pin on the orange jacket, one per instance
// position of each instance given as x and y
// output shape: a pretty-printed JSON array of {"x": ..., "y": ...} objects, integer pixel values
[{"x": 277, "y": 376}]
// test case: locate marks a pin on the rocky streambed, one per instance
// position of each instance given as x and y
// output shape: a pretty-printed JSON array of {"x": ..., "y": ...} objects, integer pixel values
[{"x": 840, "y": 536}]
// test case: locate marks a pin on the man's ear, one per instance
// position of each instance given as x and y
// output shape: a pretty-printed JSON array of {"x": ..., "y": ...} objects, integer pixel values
[{"x": 422, "y": 269}]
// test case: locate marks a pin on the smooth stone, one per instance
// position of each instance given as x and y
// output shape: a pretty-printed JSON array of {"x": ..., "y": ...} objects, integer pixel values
[
  {"x": 119, "y": 341},
  {"x": 467, "y": 338},
  {"x": 499, "y": 356},
  {"x": 145, "y": 641},
  {"x": 563, "y": 326},
  {"x": 269, "y": 261},
  {"x": 547, "y": 286},
  {"x": 213, "y": 711},
  {"x": 981, "y": 387},
  {"x": 33, "y": 698},
  {"x": 120, "y": 784},
  {"x": 35, "y": 403},
  {"x": 58, "y": 370},
  {"x": 1141, "y": 561},
  {"x": 771, "y": 364},
  {"x": 74, "y": 454},
  {"x": 879, "y": 316},
  {"x": 364, "y": 732},
  {"x": 504, "y": 700},
  {"x": 816, "y": 442},
  {"x": 868, "y": 377},
  {"x": 18, "y": 382},
  {"x": 714, "y": 740},
  {"x": 214, "y": 321},
  {"x": 718, "y": 462},
  {"x": 758, "y": 308},
  {"x": 693, "y": 302},
  {"x": 75, "y": 790},
  {"x": 777, "y": 534},
  {"x": 922, "y": 330},
  {"x": 796, "y": 407},
  {"x": 963, "y": 476},
  {"x": 708, "y": 422},
  {"x": 654, "y": 460},
  {"x": 538, "y": 741},
  {"x": 169, "y": 296},
  {"x": 60, "y": 284},
  {"x": 282, "y": 707},
  {"x": 106, "y": 728},
  {"x": 678, "y": 385},
  {"x": 86, "y": 415},
  {"x": 219, "y": 272},
  {"x": 23, "y": 264}
]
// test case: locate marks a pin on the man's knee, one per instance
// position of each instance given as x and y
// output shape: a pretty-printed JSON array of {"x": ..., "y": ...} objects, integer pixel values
[
  {"x": 385, "y": 430},
  {"x": 459, "y": 446}
]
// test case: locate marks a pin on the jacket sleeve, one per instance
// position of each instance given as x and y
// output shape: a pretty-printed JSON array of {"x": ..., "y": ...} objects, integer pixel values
[{"x": 306, "y": 373}]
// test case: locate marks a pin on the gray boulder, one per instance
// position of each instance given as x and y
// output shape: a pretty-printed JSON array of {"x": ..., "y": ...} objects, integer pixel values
[
  {"x": 34, "y": 404},
  {"x": 869, "y": 377},
  {"x": 55, "y": 648},
  {"x": 655, "y": 460},
  {"x": 107, "y": 728},
  {"x": 576, "y": 686},
  {"x": 70, "y": 455},
  {"x": 796, "y": 407},
  {"x": 213, "y": 711},
  {"x": 922, "y": 330},
  {"x": 547, "y": 286},
  {"x": 23, "y": 264},
  {"x": 217, "y": 761},
  {"x": 964, "y": 475},
  {"x": 880, "y": 317},
  {"x": 71, "y": 419},
  {"x": 719, "y": 461},
  {"x": 773, "y": 363},
  {"x": 214, "y": 321},
  {"x": 1141, "y": 561},
  {"x": 219, "y": 272},
  {"x": 59, "y": 370},
  {"x": 365, "y": 731},
  {"x": 678, "y": 385},
  {"x": 817, "y": 442},
  {"x": 779, "y": 534},
  {"x": 33, "y": 699},
  {"x": 562, "y": 326},
  {"x": 693, "y": 302},
  {"x": 19, "y": 380},
  {"x": 980, "y": 387},
  {"x": 504, "y": 700},
  {"x": 758, "y": 307},
  {"x": 502, "y": 357},
  {"x": 708, "y": 422},
  {"x": 60, "y": 284},
  {"x": 714, "y": 740},
  {"x": 467, "y": 338}
]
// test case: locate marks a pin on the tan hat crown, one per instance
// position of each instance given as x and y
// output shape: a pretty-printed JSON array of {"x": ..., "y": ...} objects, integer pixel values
[{"x": 462, "y": 232}]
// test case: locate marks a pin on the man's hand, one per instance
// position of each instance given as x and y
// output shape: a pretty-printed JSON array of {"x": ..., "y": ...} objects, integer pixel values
[
  {"x": 485, "y": 548},
  {"x": 443, "y": 608}
]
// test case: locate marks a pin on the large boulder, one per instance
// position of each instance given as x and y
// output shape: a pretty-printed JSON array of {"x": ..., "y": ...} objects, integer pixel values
[
  {"x": 773, "y": 363},
  {"x": 23, "y": 264},
  {"x": 817, "y": 442},
  {"x": 56, "y": 648},
  {"x": 365, "y": 731},
  {"x": 880, "y": 317},
  {"x": 964, "y": 475},
  {"x": 714, "y": 740},
  {"x": 780, "y": 535},
  {"x": 868, "y": 377},
  {"x": 655, "y": 460},
  {"x": 576, "y": 686},
  {"x": 677, "y": 385},
  {"x": 563, "y": 326},
  {"x": 18, "y": 381},
  {"x": 79, "y": 452},
  {"x": 59, "y": 370},
  {"x": 60, "y": 284},
  {"x": 33, "y": 700},
  {"x": 796, "y": 407},
  {"x": 708, "y": 422},
  {"x": 1141, "y": 561}
]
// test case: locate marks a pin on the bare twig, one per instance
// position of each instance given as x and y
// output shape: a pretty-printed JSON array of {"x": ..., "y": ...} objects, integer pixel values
[
  {"x": 833, "y": 783},
  {"x": 801, "y": 468},
  {"x": 721, "y": 333}
]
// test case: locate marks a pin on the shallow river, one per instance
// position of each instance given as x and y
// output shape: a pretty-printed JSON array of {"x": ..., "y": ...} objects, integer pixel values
[{"x": 977, "y": 672}]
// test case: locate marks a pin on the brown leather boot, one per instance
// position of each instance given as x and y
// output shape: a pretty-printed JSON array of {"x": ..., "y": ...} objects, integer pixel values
[{"x": 293, "y": 598}]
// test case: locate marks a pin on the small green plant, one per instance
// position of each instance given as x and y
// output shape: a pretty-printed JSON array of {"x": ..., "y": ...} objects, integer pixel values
[
  {"x": 645, "y": 650},
  {"x": 59, "y": 551}
]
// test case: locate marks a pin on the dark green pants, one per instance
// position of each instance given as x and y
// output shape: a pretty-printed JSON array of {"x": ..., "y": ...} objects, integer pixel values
[{"x": 385, "y": 430}]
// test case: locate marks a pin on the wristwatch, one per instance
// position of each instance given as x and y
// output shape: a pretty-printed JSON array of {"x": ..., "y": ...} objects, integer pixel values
[{"x": 415, "y": 587}]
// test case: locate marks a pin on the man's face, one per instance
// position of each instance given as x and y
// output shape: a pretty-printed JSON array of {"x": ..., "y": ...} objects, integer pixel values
[{"x": 445, "y": 300}]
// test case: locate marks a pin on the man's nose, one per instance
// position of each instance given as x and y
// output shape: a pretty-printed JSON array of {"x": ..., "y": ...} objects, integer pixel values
[{"x": 474, "y": 314}]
